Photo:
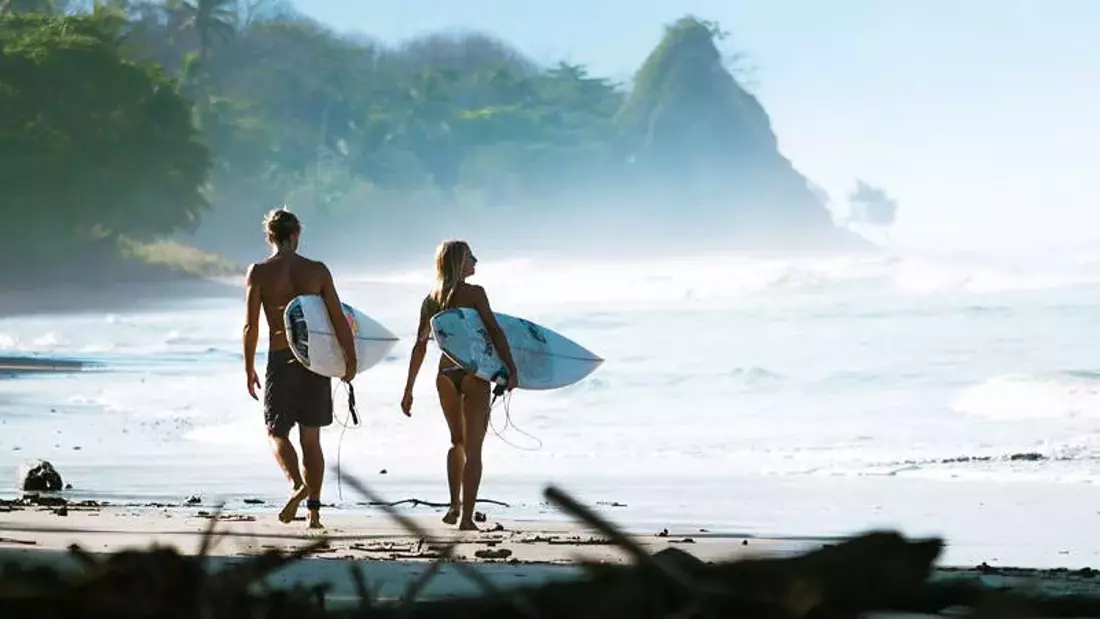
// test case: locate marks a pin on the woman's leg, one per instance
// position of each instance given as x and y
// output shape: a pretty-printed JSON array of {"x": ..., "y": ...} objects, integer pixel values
[
  {"x": 451, "y": 402},
  {"x": 476, "y": 412}
]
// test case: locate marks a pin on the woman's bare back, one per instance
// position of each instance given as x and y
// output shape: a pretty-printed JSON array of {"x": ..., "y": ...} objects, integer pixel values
[{"x": 465, "y": 295}]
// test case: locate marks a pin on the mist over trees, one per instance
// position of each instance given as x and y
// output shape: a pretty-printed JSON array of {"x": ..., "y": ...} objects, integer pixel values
[
  {"x": 191, "y": 118},
  {"x": 871, "y": 205}
]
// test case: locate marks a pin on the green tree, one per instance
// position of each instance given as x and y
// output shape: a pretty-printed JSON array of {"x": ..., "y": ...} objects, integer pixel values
[
  {"x": 16, "y": 7},
  {"x": 381, "y": 138},
  {"x": 687, "y": 108},
  {"x": 212, "y": 20},
  {"x": 93, "y": 145}
]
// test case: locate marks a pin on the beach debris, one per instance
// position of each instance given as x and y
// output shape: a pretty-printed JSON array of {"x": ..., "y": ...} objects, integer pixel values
[
  {"x": 493, "y": 553},
  {"x": 253, "y": 502},
  {"x": 610, "y": 504},
  {"x": 418, "y": 502},
  {"x": 20, "y": 542},
  {"x": 39, "y": 476},
  {"x": 44, "y": 501},
  {"x": 383, "y": 472},
  {"x": 480, "y": 517},
  {"x": 663, "y": 533},
  {"x": 34, "y": 500},
  {"x": 875, "y": 573},
  {"x": 194, "y": 499},
  {"x": 226, "y": 517}
]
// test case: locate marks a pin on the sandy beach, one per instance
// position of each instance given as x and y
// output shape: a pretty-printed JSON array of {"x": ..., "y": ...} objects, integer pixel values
[
  {"x": 109, "y": 528},
  {"x": 509, "y": 553},
  {"x": 506, "y": 553}
]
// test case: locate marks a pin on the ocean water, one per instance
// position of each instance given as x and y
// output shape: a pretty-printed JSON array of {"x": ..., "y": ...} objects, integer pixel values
[{"x": 952, "y": 395}]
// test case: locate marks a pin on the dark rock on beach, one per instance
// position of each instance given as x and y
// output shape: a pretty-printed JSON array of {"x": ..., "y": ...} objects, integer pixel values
[{"x": 40, "y": 476}]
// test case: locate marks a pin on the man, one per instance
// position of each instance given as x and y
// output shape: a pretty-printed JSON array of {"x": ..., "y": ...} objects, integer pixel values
[{"x": 293, "y": 394}]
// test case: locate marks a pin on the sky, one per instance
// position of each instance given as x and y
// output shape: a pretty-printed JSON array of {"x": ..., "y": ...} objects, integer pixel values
[{"x": 978, "y": 116}]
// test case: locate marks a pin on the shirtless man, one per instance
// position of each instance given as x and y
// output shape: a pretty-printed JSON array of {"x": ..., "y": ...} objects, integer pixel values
[{"x": 293, "y": 394}]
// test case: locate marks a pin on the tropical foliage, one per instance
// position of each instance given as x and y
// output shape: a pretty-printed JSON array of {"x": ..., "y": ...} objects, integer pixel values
[{"x": 377, "y": 146}]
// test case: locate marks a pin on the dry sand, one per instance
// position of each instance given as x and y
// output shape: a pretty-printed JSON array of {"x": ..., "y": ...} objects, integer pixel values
[
  {"x": 507, "y": 553},
  {"x": 351, "y": 536}
]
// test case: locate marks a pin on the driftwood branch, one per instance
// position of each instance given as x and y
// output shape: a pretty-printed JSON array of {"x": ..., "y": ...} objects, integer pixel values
[{"x": 417, "y": 502}]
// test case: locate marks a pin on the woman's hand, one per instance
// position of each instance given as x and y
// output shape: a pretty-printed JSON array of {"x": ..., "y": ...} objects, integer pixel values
[
  {"x": 407, "y": 403},
  {"x": 513, "y": 379}
]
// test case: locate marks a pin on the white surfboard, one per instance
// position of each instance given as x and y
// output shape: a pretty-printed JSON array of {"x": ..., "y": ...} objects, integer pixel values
[
  {"x": 313, "y": 340},
  {"x": 544, "y": 358}
]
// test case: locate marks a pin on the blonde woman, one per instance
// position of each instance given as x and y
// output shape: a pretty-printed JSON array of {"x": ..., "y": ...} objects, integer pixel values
[{"x": 463, "y": 396}]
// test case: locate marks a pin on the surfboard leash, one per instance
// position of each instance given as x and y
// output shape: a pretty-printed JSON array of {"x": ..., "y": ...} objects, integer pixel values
[
  {"x": 507, "y": 400},
  {"x": 353, "y": 415},
  {"x": 351, "y": 404}
]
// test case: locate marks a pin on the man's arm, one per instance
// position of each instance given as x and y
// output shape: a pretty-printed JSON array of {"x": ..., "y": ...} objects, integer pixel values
[
  {"x": 339, "y": 321},
  {"x": 251, "y": 333}
]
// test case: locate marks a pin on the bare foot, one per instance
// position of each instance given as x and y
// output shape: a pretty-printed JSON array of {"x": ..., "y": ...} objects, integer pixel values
[
  {"x": 290, "y": 510},
  {"x": 451, "y": 516},
  {"x": 468, "y": 525},
  {"x": 315, "y": 520}
]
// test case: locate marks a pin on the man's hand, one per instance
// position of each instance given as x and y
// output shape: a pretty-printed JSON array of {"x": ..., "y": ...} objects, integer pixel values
[
  {"x": 253, "y": 383},
  {"x": 349, "y": 372},
  {"x": 407, "y": 404}
]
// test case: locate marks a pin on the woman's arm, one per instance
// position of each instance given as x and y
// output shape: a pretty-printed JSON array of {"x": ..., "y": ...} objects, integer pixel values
[
  {"x": 419, "y": 351},
  {"x": 496, "y": 334}
]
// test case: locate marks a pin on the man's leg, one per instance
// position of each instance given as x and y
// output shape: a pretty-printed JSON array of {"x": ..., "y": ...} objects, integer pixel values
[
  {"x": 316, "y": 414},
  {"x": 288, "y": 461},
  {"x": 313, "y": 467},
  {"x": 279, "y": 415}
]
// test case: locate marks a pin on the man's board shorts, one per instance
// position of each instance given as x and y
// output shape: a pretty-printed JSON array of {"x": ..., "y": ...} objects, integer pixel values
[{"x": 294, "y": 395}]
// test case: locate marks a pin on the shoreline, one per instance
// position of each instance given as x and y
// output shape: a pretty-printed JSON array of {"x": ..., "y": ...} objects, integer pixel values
[
  {"x": 122, "y": 295},
  {"x": 24, "y": 364}
]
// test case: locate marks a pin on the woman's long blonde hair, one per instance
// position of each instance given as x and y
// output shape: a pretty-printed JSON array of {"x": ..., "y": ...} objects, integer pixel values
[{"x": 450, "y": 262}]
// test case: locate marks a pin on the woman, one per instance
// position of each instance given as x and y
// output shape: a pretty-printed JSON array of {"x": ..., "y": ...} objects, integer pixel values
[{"x": 463, "y": 396}]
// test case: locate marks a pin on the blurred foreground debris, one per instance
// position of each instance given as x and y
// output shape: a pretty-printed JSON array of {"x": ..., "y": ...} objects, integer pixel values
[{"x": 877, "y": 572}]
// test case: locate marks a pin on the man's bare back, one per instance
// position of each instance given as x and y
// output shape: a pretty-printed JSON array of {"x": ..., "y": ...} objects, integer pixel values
[{"x": 279, "y": 279}]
